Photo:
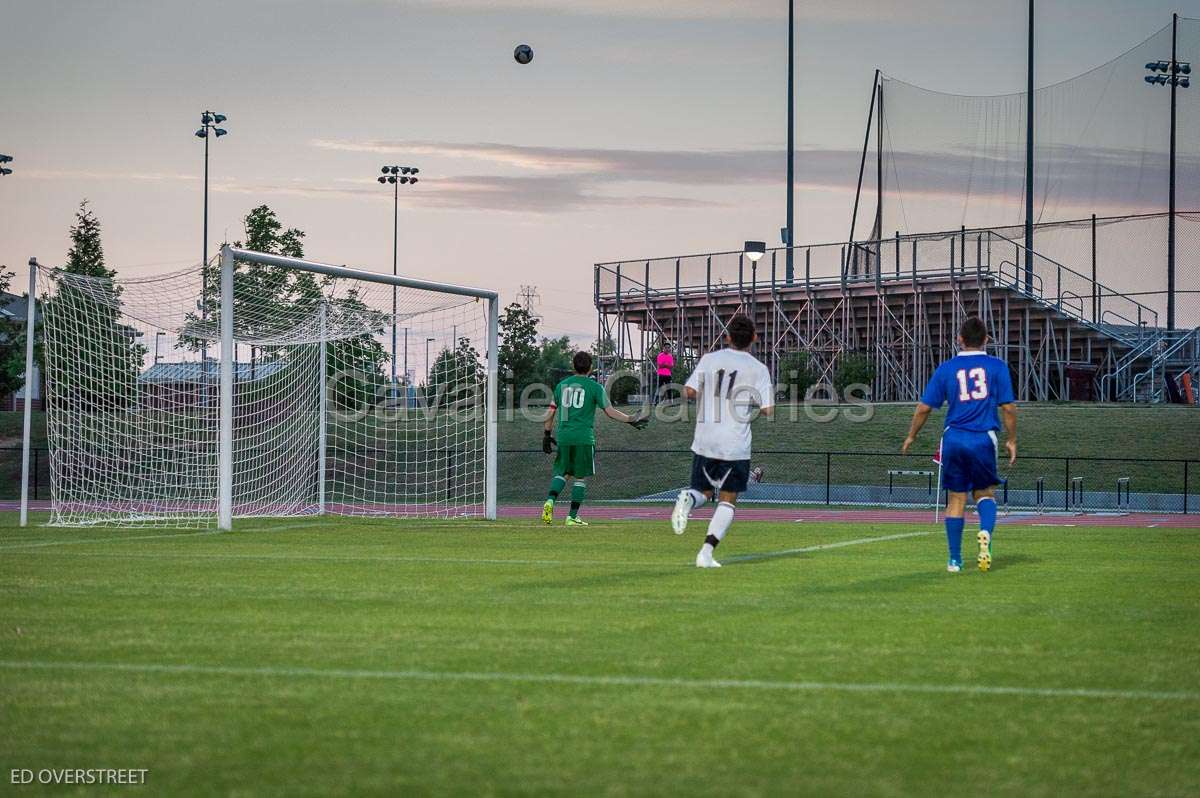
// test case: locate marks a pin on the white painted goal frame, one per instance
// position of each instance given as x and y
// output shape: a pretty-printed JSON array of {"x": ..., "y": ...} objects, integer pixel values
[{"x": 230, "y": 256}]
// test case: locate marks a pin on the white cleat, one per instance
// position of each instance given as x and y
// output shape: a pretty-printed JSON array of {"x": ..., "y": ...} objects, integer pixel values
[
  {"x": 679, "y": 515},
  {"x": 705, "y": 560}
]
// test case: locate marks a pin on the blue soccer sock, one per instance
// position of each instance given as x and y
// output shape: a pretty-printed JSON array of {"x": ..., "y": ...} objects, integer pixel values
[
  {"x": 954, "y": 530},
  {"x": 987, "y": 514}
]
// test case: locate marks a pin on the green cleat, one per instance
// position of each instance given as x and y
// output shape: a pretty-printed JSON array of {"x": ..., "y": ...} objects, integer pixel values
[
  {"x": 548, "y": 512},
  {"x": 573, "y": 521}
]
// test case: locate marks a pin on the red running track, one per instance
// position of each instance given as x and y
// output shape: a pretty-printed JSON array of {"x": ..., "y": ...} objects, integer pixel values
[
  {"x": 662, "y": 512},
  {"x": 891, "y": 516}
]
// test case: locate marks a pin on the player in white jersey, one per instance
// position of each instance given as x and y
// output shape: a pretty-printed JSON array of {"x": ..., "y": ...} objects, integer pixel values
[{"x": 731, "y": 387}]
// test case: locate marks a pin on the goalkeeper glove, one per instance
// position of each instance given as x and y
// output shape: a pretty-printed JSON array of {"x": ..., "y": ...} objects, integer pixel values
[
  {"x": 640, "y": 423},
  {"x": 548, "y": 443}
]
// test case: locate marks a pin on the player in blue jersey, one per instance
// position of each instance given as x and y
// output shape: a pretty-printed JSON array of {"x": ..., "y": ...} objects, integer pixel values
[{"x": 978, "y": 389}]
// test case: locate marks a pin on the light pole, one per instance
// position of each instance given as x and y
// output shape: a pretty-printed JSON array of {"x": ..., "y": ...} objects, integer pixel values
[
  {"x": 208, "y": 130},
  {"x": 753, "y": 250},
  {"x": 396, "y": 176},
  {"x": 4, "y": 170},
  {"x": 789, "y": 270},
  {"x": 1028, "y": 159},
  {"x": 428, "y": 341},
  {"x": 1176, "y": 74}
]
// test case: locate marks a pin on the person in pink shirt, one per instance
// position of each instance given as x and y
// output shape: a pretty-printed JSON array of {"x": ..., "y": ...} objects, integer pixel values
[{"x": 665, "y": 362}]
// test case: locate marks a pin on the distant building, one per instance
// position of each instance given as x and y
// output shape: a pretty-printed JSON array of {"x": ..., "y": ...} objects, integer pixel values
[
  {"x": 13, "y": 309},
  {"x": 180, "y": 385}
]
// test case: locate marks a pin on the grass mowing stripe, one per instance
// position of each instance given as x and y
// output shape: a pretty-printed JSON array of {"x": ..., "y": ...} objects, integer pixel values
[
  {"x": 470, "y": 560},
  {"x": 606, "y": 681},
  {"x": 44, "y": 543}
]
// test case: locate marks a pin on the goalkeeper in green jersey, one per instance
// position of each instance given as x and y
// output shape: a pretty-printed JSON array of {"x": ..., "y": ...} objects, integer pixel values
[{"x": 576, "y": 400}]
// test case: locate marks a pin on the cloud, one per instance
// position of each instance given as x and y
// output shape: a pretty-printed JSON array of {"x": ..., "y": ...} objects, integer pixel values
[
  {"x": 806, "y": 10},
  {"x": 678, "y": 167},
  {"x": 74, "y": 174}
]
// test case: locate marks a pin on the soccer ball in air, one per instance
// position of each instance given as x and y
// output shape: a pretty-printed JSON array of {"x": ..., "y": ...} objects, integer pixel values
[{"x": 523, "y": 53}]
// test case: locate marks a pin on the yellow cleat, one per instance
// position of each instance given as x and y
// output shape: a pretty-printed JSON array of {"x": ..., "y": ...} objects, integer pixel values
[
  {"x": 985, "y": 551},
  {"x": 548, "y": 512}
]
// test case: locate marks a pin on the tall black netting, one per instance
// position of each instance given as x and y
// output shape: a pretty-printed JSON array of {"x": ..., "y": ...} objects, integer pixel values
[{"x": 1101, "y": 145}]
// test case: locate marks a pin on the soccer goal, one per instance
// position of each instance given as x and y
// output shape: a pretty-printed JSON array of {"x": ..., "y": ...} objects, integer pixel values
[{"x": 266, "y": 386}]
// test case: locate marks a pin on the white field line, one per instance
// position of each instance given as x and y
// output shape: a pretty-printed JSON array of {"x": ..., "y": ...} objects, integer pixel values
[
  {"x": 604, "y": 681},
  {"x": 452, "y": 560},
  {"x": 822, "y": 547}
]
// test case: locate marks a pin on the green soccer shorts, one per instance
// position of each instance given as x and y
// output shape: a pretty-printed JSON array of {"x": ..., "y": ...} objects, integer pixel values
[{"x": 576, "y": 459}]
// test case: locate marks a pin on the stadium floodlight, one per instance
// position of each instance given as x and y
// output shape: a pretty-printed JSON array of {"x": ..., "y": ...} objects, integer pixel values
[
  {"x": 754, "y": 250},
  {"x": 223, "y": 443},
  {"x": 208, "y": 122},
  {"x": 1175, "y": 74},
  {"x": 391, "y": 175}
]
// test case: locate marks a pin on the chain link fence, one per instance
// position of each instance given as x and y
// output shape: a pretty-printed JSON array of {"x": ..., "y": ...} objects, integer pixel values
[
  {"x": 876, "y": 479},
  {"x": 827, "y": 478}
]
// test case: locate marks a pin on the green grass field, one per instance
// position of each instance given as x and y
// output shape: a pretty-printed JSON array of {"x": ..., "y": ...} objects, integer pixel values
[{"x": 349, "y": 657}]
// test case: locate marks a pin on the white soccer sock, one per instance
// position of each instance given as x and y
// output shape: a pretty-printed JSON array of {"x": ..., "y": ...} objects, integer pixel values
[
  {"x": 718, "y": 526},
  {"x": 698, "y": 498}
]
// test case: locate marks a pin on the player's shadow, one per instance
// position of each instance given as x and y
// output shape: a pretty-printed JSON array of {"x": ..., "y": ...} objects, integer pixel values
[{"x": 763, "y": 557}]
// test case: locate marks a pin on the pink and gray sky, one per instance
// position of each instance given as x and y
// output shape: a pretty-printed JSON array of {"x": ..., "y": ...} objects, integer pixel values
[{"x": 642, "y": 127}]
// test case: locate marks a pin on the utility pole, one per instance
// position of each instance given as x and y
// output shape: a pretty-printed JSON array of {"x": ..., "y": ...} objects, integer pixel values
[{"x": 529, "y": 296}]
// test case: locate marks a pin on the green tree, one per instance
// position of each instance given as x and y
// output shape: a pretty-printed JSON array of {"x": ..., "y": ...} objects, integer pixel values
[
  {"x": 355, "y": 365},
  {"x": 106, "y": 355},
  {"x": 12, "y": 344},
  {"x": 456, "y": 377},
  {"x": 795, "y": 375},
  {"x": 518, "y": 354},
  {"x": 268, "y": 300},
  {"x": 554, "y": 363},
  {"x": 853, "y": 369}
]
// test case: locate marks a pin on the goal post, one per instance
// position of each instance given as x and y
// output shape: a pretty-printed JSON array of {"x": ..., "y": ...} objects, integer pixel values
[{"x": 269, "y": 396}]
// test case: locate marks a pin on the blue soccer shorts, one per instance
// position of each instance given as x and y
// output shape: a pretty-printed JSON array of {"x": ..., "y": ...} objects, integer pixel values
[{"x": 968, "y": 460}]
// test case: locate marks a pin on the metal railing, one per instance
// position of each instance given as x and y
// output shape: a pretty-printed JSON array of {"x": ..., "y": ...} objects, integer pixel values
[{"x": 901, "y": 258}]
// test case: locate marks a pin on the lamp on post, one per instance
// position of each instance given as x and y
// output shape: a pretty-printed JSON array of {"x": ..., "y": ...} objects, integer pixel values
[
  {"x": 396, "y": 176},
  {"x": 1177, "y": 75},
  {"x": 209, "y": 121},
  {"x": 428, "y": 370}
]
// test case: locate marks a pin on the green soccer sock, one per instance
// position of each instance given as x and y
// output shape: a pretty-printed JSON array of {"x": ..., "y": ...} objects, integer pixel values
[
  {"x": 556, "y": 486},
  {"x": 578, "y": 494}
]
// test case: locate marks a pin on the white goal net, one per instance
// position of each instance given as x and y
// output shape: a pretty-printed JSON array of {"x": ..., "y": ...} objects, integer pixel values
[{"x": 266, "y": 387}]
